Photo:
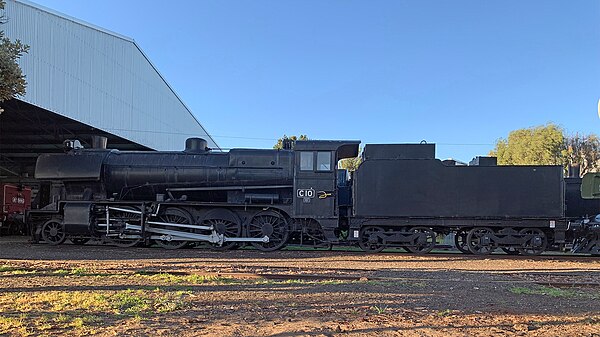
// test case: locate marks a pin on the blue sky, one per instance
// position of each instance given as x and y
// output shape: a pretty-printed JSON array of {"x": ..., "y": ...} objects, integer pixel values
[{"x": 457, "y": 73}]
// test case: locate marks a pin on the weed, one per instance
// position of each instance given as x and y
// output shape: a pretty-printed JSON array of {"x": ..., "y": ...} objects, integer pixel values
[
  {"x": 5, "y": 268},
  {"x": 77, "y": 323},
  {"x": 81, "y": 271},
  {"x": 444, "y": 312},
  {"x": 379, "y": 310},
  {"x": 91, "y": 319},
  {"x": 355, "y": 311},
  {"x": 61, "y": 318}
]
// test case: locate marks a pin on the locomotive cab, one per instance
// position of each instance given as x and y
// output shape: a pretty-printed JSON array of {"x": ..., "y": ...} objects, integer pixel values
[
  {"x": 315, "y": 178},
  {"x": 315, "y": 181}
]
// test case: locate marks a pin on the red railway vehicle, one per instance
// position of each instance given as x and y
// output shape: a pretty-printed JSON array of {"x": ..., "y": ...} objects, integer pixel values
[{"x": 16, "y": 201}]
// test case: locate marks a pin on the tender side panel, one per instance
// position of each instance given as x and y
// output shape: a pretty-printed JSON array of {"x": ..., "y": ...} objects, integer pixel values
[{"x": 427, "y": 188}]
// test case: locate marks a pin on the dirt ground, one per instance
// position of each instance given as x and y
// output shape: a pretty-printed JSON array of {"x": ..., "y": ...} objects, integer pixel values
[{"x": 106, "y": 291}]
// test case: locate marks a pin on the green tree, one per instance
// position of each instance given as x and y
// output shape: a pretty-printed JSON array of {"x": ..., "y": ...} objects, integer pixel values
[
  {"x": 350, "y": 164},
  {"x": 292, "y": 139},
  {"x": 584, "y": 151},
  {"x": 540, "y": 145},
  {"x": 12, "y": 80}
]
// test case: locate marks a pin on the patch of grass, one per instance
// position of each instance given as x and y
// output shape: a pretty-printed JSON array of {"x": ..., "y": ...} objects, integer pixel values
[
  {"x": 176, "y": 301},
  {"x": 298, "y": 281},
  {"x": 92, "y": 303},
  {"x": 395, "y": 283},
  {"x": 547, "y": 291},
  {"x": 12, "y": 323},
  {"x": 140, "y": 302},
  {"x": 5, "y": 268},
  {"x": 81, "y": 311},
  {"x": 10, "y": 270},
  {"x": 185, "y": 279},
  {"x": 80, "y": 271},
  {"x": 130, "y": 302}
]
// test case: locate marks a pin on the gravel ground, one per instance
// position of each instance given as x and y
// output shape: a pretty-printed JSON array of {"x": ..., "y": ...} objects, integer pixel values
[{"x": 47, "y": 290}]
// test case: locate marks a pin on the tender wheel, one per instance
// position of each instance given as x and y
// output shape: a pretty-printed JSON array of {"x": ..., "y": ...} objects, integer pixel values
[
  {"x": 424, "y": 242},
  {"x": 79, "y": 241},
  {"x": 480, "y": 242},
  {"x": 460, "y": 241},
  {"x": 53, "y": 232},
  {"x": 177, "y": 216},
  {"x": 271, "y": 224},
  {"x": 372, "y": 240},
  {"x": 536, "y": 243},
  {"x": 119, "y": 219}
]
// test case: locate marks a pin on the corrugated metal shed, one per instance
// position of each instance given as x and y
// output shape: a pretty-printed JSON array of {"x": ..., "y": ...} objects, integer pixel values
[{"x": 99, "y": 78}]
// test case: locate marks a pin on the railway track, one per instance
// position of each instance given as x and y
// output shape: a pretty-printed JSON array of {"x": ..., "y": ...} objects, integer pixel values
[
  {"x": 351, "y": 250},
  {"x": 250, "y": 275}
]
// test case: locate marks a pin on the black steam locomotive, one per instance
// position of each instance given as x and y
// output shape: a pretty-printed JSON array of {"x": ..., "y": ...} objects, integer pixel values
[{"x": 400, "y": 196}]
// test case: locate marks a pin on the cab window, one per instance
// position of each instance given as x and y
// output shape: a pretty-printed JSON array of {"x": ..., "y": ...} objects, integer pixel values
[
  {"x": 323, "y": 161},
  {"x": 306, "y": 161}
]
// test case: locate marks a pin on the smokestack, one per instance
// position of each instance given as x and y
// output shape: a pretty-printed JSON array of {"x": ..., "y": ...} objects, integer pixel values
[
  {"x": 99, "y": 142},
  {"x": 196, "y": 145}
]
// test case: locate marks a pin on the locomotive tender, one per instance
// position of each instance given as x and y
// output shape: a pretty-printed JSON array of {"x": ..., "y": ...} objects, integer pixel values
[{"x": 400, "y": 196}]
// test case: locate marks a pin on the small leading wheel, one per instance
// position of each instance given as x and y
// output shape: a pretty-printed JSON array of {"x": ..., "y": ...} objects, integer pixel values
[
  {"x": 174, "y": 216},
  {"x": 372, "y": 239},
  {"x": 480, "y": 241},
  {"x": 424, "y": 242},
  {"x": 271, "y": 224},
  {"x": 536, "y": 241},
  {"x": 460, "y": 241},
  {"x": 53, "y": 232}
]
